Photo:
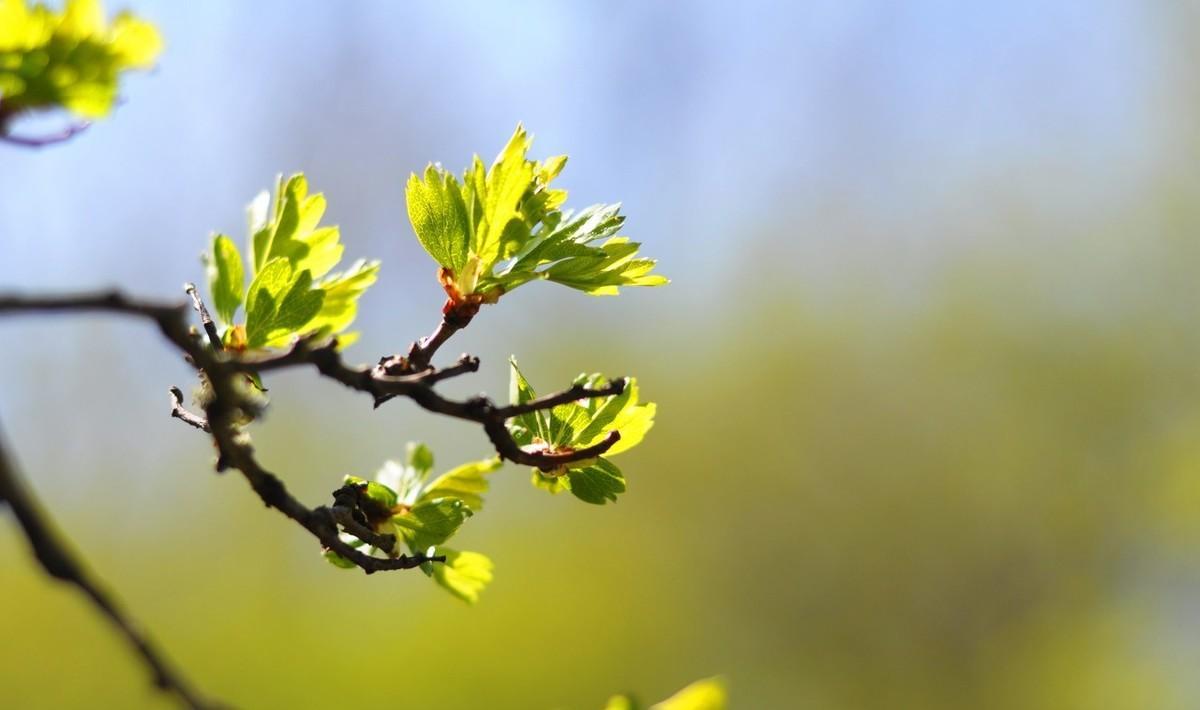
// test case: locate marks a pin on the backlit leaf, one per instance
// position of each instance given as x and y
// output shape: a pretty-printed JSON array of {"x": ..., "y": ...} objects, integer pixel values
[{"x": 464, "y": 574}]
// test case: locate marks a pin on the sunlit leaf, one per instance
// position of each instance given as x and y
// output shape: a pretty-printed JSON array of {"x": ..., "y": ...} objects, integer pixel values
[
  {"x": 431, "y": 522},
  {"x": 227, "y": 279},
  {"x": 464, "y": 574},
  {"x": 598, "y": 482},
  {"x": 342, "y": 290},
  {"x": 467, "y": 483},
  {"x": 439, "y": 216},
  {"x": 279, "y": 304},
  {"x": 533, "y": 424},
  {"x": 708, "y": 694}
]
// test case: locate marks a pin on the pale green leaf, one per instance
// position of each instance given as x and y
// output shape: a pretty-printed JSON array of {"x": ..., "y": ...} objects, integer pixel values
[
  {"x": 280, "y": 304},
  {"x": 565, "y": 421},
  {"x": 534, "y": 424},
  {"x": 549, "y": 483},
  {"x": 319, "y": 251},
  {"x": 708, "y": 694},
  {"x": 439, "y": 216},
  {"x": 226, "y": 278},
  {"x": 623, "y": 413},
  {"x": 431, "y": 522},
  {"x": 342, "y": 291},
  {"x": 633, "y": 423},
  {"x": 420, "y": 457},
  {"x": 604, "y": 411},
  {"x": 500, "y": 230},
  {"x": 464, "y": 574},
  {"x": 337, "y": 560},
  {"x": 467, "y": 483},
  {"x": 264, "y": 296}
]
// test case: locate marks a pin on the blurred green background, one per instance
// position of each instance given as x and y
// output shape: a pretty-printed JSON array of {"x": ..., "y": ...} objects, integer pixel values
[{"x": 928, "y": 382}]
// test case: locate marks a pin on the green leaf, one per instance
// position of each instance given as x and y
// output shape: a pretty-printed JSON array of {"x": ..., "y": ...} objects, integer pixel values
[
  {"x": 633, "y": 423},
  {"x": 598, "y": 482},
  {"x": 565, "y": 421},
  {"x": 337, "y": 560},
  {"x": 431, "y": 522},
  {"x": 341, "y": 293},
  {"x": 707, "y": 694},
  {"x": 467, "y": 483},
  {"x": 501, "y": 227},
  {"x": 280, "y": 304},
  {"x": 526, "y": 426},
  {"x": 554, "y": 484},
  {"x": 563, "y": 252},
  {"x": 299, "y": 305},
  {"x": 420, "y": 457},
  {"x": 294, "y": 232},
  {"x": 439, "y": 216},
  {"x": 464, "y": 574},
  {"x": 264, "y": 296},
  {"x": 320, "y": 249},
  {"x": 226, "y": 278},
  {"x": 624, "y": 414}
]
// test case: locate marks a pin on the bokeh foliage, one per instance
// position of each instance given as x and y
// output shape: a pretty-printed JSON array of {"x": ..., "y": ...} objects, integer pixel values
[{"x": 70, "y": 59}]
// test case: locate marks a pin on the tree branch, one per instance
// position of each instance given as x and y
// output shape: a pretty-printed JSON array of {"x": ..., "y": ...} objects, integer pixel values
[
  {"x": 221, "y": 413},
  {"x": 418, "y": 387},
  {"x": 227, "y": 403},
  {"x": 615, "y": 387},
  {"x": 59, "y": 563},
  {"x": 421, "y": 353},
  {"x": 410, "y": 376}
]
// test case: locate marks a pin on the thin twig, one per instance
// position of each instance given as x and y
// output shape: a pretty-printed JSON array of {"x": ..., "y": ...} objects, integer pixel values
[
  {"x": 179, "y": 412},
  {"x": 615, "y": 387},
  {"x": 64, "y": 135},
  {"x": 59, "y": 563},
  {"x": 206, "y": 320}
]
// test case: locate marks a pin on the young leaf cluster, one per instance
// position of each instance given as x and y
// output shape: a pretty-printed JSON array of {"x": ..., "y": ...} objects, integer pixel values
[
  {"x": 291, "y": 290},
  {"x": 70, "y": 59},
  {"x": 578, "y": 425},
  {"x": 423, "y": 514},
  {"x": 282, "y": 287},
  {"x": 503, "y": 226}
]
